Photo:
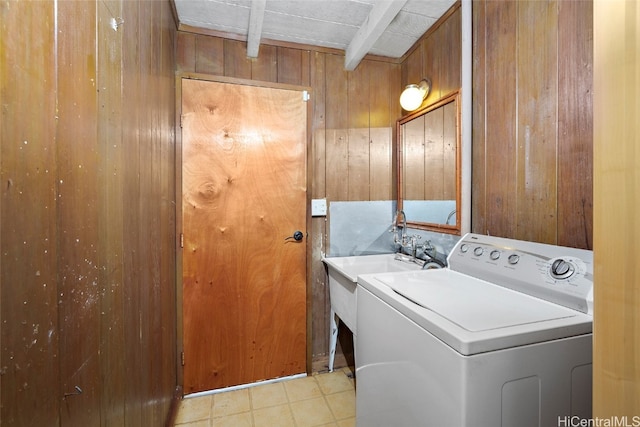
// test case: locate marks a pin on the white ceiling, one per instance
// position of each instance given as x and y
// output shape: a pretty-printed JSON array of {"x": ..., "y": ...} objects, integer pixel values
[{"x": 358, "y": 27}]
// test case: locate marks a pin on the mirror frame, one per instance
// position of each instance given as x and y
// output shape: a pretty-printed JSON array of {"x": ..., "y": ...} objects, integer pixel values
[{"x": 443, "y": 228}]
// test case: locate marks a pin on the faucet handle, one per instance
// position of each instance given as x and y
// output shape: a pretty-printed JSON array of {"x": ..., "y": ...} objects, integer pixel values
[{"x": 427, "y": 245}]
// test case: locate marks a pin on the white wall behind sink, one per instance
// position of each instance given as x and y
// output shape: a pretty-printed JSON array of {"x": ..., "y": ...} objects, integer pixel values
[{"x": 362, "y": 228}]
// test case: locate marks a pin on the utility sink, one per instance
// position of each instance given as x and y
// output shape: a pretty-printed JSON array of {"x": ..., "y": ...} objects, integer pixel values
[{"x": 343, "y": 275}]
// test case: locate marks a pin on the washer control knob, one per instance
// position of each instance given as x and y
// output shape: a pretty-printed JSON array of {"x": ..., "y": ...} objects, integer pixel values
[
  {"x": 495, "y": 254},
  {"x": 464, "y": 248},
  {"x": 478, "y": 251},
  {"x": 562, "y": 269},
  {"x": 513, "y": 259}
]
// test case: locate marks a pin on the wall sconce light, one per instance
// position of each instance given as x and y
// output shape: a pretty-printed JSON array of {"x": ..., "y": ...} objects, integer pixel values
[{"x": 414, "y": 94}]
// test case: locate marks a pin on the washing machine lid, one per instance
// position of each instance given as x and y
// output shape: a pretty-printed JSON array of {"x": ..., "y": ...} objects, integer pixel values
[{"x": 474, "y": 316}]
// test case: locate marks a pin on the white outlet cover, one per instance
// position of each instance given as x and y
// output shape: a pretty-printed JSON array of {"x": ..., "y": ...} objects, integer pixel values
[{"x": 319, "y": 207}]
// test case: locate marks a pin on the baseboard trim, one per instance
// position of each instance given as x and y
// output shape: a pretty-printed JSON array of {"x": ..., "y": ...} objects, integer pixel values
[{"x": 241, "y": 386}]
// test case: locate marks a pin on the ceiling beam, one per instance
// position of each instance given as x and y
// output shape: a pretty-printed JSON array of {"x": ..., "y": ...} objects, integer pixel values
[
  {"x": 378, "y": 20},
  {"x": 256, "y": 17}
]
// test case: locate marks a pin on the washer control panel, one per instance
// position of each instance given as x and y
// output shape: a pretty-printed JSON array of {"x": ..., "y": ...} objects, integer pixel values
[{"x": 557, "y": 274}]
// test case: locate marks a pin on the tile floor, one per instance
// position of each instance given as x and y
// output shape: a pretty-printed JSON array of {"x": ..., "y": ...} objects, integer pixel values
[{"x": 319, "y": 400}]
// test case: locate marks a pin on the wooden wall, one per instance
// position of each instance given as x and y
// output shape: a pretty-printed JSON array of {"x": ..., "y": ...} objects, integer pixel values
[
  {"x": 532, "y": 112},
  {"x": 616, "y": 363},
  {"x": 352, "y": 126},
  {"x": 438, "y": 56},
  {"x": 351, "y": 131},
  {"x": 532, "y": 121},
  {"x": 87, "y": 238}
]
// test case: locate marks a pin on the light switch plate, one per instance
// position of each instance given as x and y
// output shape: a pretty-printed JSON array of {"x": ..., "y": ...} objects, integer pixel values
[{"x": 319, "y": 207}]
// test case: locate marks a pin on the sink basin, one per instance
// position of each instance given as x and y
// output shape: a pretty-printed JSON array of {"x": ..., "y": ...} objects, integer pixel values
[
  {"x": 343, "y": 276},
  {"x": 352, "y": 266}
]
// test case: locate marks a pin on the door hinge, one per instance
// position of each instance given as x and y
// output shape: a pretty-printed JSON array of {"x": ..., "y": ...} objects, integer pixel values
[
  {"x": 181, "y": 240},
  {"x": 182, "y": 358},
  {"x": 306, "y": 95}
]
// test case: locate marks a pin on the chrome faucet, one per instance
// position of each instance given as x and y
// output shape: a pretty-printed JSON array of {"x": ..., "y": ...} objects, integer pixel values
[
  {"x": 400, "y": 238},
  {"x": 414, "y": 245},
  {"x": 400, "y": 222}
]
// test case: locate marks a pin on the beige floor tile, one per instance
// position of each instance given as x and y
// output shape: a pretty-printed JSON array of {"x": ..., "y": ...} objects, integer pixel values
[
  {"x": 274, "y": 416},
  {"x": 201, "y": 423},
  {"x": 349, "y": 371},
  {"x": 302, "y": 388},
  {"x": 235, "y": 420},
  {"x": 349, "y": 422},
  {"x": 311, "y": 412},
  {"x": 266, "y": 395},
  {"x": 231, "y": 402},
  {"x": 334, "y": 382},
  {"x": 194, "y": 409},
  {"x": 342, "y": 404}
]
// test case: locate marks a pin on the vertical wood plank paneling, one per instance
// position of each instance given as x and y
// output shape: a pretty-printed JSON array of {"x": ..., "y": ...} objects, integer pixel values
[
  {"x": 575, "y": 124},
  {"x": 479, "y": 100},
  {"x": 265, "y": 66},
  {"x": 337, "y": 160},
  {"x": 132, "y": 259},
  {"x": 319, "y": 304},
  {"x": 186, "y": 52},
  {"x": 167, "y": 201},
  {"x": 438, "y": 58},
  {"x": 450, "y": 71},
  {"x": 29, "y": 357},
  {"x": 96, "y": 267},
  {"x": 164, "y": 312},
  {"x": 358, "y": 133},
  {"x": 500, "y": 125},
  {"x": 110, "y": 226},
  {"x": 318, "y": 123},
  {"x": 381, "y": 169},
  {"x": 79, "y": 213},
  {"x": 290, "y": 66},
  {"x": 433, "y": 57},
  {"x": 531, "y": 154},
  {"x": 319, "y": 295},
  {"x": 412, "y": 67},
  {"x": 397, "y": 113},
  {"x": 147, "y": 235},
  {"x": 209, "y": 55},
  {"x": 305, "y": 68},
  {"x": 153, "y": 19},
  {"x": 536, "y": 121},
  {"x": 236, "y": 63},
  {"x": 383, "y": 82},
  {"x": 336, "y": 134}
]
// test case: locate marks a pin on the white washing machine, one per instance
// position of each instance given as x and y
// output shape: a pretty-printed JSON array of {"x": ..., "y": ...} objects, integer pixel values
[{"x": 502, "y": 337}]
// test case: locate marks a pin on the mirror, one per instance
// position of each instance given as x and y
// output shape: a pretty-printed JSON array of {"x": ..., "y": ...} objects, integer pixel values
[{"x": 429, "y": 166}]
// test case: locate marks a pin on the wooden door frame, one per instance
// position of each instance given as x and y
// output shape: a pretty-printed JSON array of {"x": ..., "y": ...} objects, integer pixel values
[{"x": 178, "y": 199}]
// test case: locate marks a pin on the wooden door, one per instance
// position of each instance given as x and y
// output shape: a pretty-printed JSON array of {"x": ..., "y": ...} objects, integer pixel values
[{"x": 243, "y": 196}]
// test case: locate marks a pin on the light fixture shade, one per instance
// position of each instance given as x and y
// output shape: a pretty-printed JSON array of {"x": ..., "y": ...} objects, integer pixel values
[{"x": 413, "y": 95}]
